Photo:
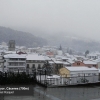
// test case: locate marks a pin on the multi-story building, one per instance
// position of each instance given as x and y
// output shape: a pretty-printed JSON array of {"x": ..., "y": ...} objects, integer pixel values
[
  {"x": 15, "y": 62},
  {"x": 92, "y": 56},
  {"x": 34, "y": 62}
]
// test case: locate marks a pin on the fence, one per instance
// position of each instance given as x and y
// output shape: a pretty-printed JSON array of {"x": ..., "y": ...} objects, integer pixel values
[{"x": 60, "y": 80}]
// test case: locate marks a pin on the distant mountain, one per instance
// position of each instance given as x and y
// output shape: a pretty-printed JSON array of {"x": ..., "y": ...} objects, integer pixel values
[
  {"x": 21, "y": 38},
  {"x": 74, "y": 42}
]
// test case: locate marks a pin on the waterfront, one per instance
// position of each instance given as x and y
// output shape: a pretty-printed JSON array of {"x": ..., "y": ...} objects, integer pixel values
[{"x": 65, "y": 93}]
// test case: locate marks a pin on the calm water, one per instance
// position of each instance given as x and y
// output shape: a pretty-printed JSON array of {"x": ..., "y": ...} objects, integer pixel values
[{"x": 65, "y": 93}]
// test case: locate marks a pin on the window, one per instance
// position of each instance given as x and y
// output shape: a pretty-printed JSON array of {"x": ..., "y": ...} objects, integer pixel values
[
  {"x": 78, "y": 74},
  {"x": 78, "y": 63},
  {"x": 89, "y": 74},
  {"x": 33, "y": 66},
  {"x": 21, "y": 64},
  {"x": 27, "y": 66},
  {"x": 4, "y": 66},
  {"x": 9, "y": 63},
  {"x": 39, "y": 66},
  {"x": 94, "y": 74},
  {"x": 22, "y": 59},
  {"x": 94, "y": 65}
]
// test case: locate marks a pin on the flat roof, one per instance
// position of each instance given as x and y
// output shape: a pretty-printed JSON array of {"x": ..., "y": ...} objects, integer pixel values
[
  {"x": 34, "y": 57},
  {"x": 15, "y": 56},
  {"x": 81, "y": 68},
  {"x": 89, "y": 62}
]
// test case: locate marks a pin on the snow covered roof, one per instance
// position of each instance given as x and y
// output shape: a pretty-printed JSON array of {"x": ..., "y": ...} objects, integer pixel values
[
  {"x": 92, "y": 54},
  {"x": 70, "y": 61},
  {"x": 97, "y": 60},
  {"x": 10, "y": 52},
  {"x": 51, "y": 62},
  {"x": 34, "y": 57},
  {"x": 15, "y": 56},
  {"x": 81, "y": 68},
  {"x": 66, "y": 63},
  {"x": 46, "y": 58},
  {"x": 64, "y": 57},
  {"x": 67, "y": 54},
  {"x": 58, "y": 62},
  {"x": 58, "y": 56},
  {"x": 89, "y": 62}
]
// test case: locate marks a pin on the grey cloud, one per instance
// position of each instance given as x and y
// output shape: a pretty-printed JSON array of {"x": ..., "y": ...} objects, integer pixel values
[{"x": 80, "y": 17}]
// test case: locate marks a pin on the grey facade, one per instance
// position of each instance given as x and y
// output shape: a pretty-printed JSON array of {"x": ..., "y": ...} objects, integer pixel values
[{"x": 11, "y": 45}]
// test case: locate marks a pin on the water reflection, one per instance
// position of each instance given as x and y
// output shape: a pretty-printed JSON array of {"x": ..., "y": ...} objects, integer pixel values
[
  {"x": 65, "y": 93},
  {"x": 71, "y": 93}
]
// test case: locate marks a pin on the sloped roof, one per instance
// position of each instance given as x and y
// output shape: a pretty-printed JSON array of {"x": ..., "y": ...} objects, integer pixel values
[{"x": 58, "y": 62}]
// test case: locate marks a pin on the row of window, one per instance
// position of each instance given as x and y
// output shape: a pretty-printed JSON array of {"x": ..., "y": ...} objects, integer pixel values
[
  {"x": 33, "y": 66},
  {"x": 16, "y": 69},
  {"x": 32, "y": 61},
  {"x": 79, "y": 64},
  {"x": 16, "y": 64},
  {"x": 17, "y": 59},
  {"x": 85, "y": 74},
  {"x": 59, "y": 65}
]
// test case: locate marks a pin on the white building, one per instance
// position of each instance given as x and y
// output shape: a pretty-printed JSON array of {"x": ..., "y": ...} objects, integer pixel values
[
  {"x": 82, "y": 74},
  {"x": 15, "y": 62},
  {"x": 92, "y": 56},
  {"x": 34, "y": 62}
]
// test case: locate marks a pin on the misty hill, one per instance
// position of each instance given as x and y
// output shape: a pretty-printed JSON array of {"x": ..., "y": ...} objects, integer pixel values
[
  {"x": 21, "y": 38},
  {"x": 74, "y": 42}
]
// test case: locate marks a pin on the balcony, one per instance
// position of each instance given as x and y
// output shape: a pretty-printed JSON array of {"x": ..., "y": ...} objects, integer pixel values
[
  {"x": 17, "y": 70},
  {"x": 1, "y": 61},
  {"x": 14, "y": 66},
  {"x": 16, "y": 60}
]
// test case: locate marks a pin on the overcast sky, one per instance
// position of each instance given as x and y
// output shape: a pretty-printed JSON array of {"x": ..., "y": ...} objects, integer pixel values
[{"x": 81, "y": 17}]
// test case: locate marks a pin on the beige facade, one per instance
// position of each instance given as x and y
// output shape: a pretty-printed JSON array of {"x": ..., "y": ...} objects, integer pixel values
[{"x": 64, "y": 72}]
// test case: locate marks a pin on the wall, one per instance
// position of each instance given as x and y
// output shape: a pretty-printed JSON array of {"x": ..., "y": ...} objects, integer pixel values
[
  {"x": 78, "y": 63},
  {"x": 64, "y": 72}
]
